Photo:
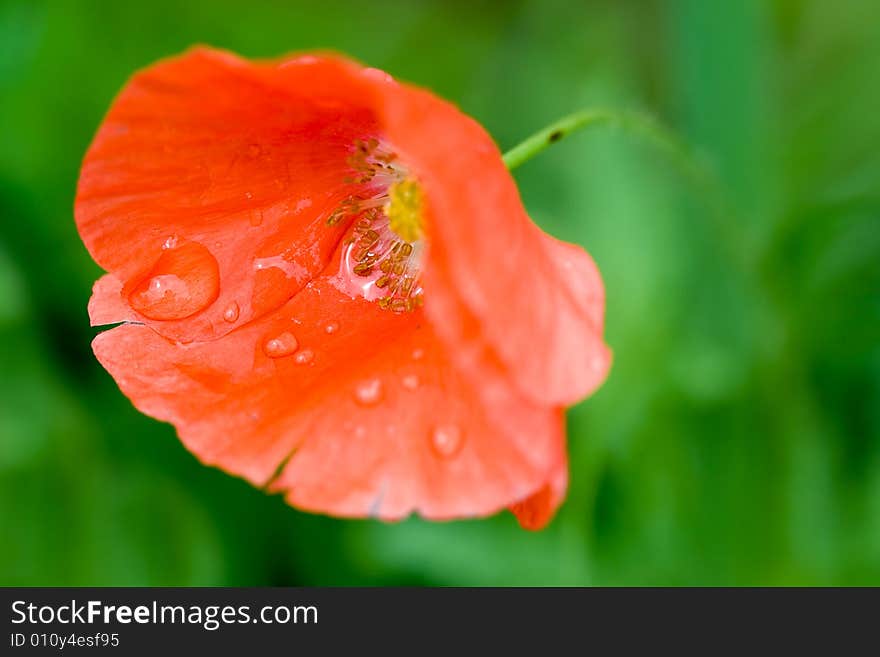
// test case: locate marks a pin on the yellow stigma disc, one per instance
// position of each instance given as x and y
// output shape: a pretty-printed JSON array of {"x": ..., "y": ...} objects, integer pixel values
[{"x": 404, "y": 209}]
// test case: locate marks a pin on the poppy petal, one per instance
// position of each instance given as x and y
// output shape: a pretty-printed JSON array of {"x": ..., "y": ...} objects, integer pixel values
[
  {"x": 537, "y": 510},
  {"x": 358, "y": 413},
  {"x": 107, "y": 305},
  {"x": 241, "y": 161},
  {"x": 539, "y": 302}
]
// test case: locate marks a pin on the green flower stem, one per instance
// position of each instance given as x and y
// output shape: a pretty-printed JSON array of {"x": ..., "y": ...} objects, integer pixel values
[
  {"x": 641, "y": 126},
  {"x": 648, "y": 130}
]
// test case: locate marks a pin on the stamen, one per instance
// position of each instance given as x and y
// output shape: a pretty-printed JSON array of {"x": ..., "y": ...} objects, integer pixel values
[{"x": 382, "y": 250}]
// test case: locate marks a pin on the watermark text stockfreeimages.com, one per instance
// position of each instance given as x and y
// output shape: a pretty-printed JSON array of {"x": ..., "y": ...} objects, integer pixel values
[{"x": 210, "y": 617}]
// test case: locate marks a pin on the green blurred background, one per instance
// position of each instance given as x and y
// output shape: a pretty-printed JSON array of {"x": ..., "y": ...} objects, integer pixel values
[{"x": 737, "y": 440}]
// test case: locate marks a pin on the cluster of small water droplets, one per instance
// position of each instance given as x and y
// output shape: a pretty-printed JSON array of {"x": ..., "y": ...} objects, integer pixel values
[
  {"x": 255, "y": 214},
  {"x": 285, "y": 344},
  {"x": 281, "y": 345}
]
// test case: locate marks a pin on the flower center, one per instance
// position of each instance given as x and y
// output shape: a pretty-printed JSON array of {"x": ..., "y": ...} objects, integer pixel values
[
  {"x": 404, "y": 209},
  {"x": 384, "y": 245}
]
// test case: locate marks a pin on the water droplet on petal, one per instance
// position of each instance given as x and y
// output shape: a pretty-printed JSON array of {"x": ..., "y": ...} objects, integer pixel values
[
  {"x": 418, "y": 354},
  {"x": 184, "y": 280},
  {"x": 281, "y": 345},
  {"x": 331, "y": 328},
  {"x": 446, "y": 440},
  {"x": 303, "y": 357},
  {"x": 249, "y": 195},
  {"x": 170, "y": 242},
  {"x": 231, "y": 312},
  {"x": 410, "y": 382},
  {"x": 369, "y": 392}
]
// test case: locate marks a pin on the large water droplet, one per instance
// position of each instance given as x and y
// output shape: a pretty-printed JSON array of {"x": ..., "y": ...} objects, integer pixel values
[
  {"x": 231, "y": 312},
  {"x": 410, "y": 381},
  {"x": 369, "y": 392},
  {"x": 446, "y": 440},
  {"x": 304, "y": 357},
  {"x": 281, "y": 345},
  {"x": 331, "y": 328},
  {"x": 184, "y": 280}
]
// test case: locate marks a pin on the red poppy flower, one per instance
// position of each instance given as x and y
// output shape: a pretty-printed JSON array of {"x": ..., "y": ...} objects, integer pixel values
[{"x": 327, "y": 282}]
